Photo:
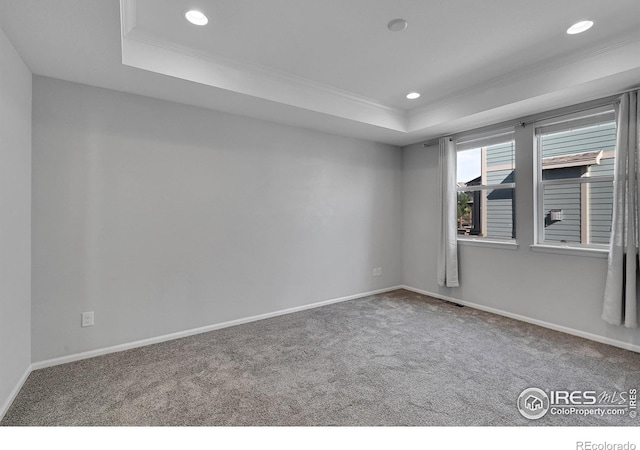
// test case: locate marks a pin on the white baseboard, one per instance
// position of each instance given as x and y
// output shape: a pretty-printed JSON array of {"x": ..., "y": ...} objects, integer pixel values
[
  {"x": 167, "y": 337},
  {"x": 12, "y": 396},
  {"x": 542, "y": 323},
  {"x": 193, "y": 331}
]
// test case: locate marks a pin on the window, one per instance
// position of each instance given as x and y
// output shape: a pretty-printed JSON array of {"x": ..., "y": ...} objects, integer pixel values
[
  {"x": 576, "y": 159},
  {"x": 486, "y": 186}
]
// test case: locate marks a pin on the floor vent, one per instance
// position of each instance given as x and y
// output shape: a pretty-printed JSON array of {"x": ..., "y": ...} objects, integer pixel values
[{"x": 448, "y": 302}]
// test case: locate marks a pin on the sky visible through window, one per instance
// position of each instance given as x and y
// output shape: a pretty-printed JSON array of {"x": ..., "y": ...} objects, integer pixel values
[{"x": 469, "y": 165}]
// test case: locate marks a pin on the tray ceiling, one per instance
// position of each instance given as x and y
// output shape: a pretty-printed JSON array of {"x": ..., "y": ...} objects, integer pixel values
[{"x": 334, "y": 65}]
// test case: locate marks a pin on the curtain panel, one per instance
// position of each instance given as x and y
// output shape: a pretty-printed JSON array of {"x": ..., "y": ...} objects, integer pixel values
[
  {"x": 621, "y": 289},
  {"x": 447, "y": 275}
]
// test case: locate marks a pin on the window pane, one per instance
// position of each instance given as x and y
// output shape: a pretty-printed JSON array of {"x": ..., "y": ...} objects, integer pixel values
[
  {"x": 469, "y": 166},
  {"x": 500, "y": 163},
  {"x": 578, "y": 213},
  {"x": 580, "y": 152},
  {"x": 600, "y": 212},
  {"x": 483, "y": 166},
  {"x": 487, "y": 213}
]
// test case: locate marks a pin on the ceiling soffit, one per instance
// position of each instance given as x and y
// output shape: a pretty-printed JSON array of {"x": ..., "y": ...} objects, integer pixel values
[{"x": 602, "y": 66}]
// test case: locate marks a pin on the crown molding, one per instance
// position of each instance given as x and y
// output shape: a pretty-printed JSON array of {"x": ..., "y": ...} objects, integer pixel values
[
  {"x": 146, "y": 51},
  {"x": 556, "y": 75},
  {"x": 548, "y": 84},
  {"x": 260, "y": 70},
  {"x": 540, "y": 68}
]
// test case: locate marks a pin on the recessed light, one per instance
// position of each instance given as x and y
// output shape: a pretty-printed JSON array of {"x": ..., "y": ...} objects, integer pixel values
[
  {"x": 397, "y": 25},
  {"x": 196, "y": 17},
  {"x": 413, "y": 95},
  {"x": 580, "y": 27}
]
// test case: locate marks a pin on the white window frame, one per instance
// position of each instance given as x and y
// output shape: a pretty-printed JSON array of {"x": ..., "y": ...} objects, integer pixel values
[
  {"x": 479, "y": 140},
  {"x": 592, "y": 117}
]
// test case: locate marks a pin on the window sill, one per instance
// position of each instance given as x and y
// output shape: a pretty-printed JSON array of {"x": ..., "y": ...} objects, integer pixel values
[
  {"x": 482, "y": 242},
  {"x": 569, "y": 250}
]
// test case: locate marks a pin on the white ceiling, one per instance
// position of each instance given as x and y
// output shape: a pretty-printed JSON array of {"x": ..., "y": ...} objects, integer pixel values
[{"x": 333, "y": 65}]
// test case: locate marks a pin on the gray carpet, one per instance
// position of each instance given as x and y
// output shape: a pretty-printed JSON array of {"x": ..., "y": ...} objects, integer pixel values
[{"x": 392, "y": 359}]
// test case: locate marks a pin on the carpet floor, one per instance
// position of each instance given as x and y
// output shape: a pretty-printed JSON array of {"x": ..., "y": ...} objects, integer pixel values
[{"x": 398, "y": 358}]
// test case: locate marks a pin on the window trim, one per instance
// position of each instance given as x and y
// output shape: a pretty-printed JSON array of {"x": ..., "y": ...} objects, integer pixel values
[
  {"x": 473, "y": 141},
  {"x": 565, "y": 249},
  {"x": 582, "y": 119},
  {"x": 486, "y": 187},
  {"x": 485, "y": 139},
  {"x": 502, "y": 244}
]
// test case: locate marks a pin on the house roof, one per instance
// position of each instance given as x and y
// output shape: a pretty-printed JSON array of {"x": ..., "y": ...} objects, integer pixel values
[{"x": 573, "y": 160}]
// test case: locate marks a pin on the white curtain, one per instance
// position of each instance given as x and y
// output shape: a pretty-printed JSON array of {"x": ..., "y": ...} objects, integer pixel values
[
  {"x": 621, "y": 294},
  {"x": 448, "y": 248}
]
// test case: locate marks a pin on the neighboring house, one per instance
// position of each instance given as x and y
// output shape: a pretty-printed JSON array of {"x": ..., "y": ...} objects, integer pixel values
[
  {"x": 492, "y": 212},
  {"x": 585, "y": 209},
  {"x": 497, "y": 168}
]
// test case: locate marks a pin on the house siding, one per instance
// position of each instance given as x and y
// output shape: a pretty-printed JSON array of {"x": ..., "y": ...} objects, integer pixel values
[
  {"x": 568, "y": 198},
  {"x": 601, "y": 137},
  {"x": 500, "y": 205}
]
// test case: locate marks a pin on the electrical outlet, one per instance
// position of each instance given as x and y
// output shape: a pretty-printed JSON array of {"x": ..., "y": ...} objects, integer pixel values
[
  {"x": 377, "y": 271},
  {"x": 87, "y": 319}
]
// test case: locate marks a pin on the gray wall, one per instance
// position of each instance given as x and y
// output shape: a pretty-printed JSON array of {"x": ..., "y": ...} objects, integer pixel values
[
  {"x": 162, "y": 217},
  {"x": 15, "y": 219},
  {"x": 559, "y": 289}
]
